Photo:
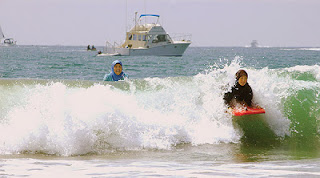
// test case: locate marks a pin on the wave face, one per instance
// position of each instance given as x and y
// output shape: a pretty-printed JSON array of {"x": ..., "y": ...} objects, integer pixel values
[{"x": 83, "y": 117}]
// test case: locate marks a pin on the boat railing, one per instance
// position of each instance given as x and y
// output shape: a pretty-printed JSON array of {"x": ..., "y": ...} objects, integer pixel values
[
  {"x": 181, "y": 37},
  {"x": 110, "y": 48}
]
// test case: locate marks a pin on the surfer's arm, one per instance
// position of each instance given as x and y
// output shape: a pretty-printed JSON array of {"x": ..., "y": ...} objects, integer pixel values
[
  {"x": 227, "y": 98},
  {"x": 249, "y": 96}
]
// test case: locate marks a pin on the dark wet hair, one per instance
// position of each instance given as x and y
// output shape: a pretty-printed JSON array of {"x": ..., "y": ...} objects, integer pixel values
[{"x": 241, "y": 73}]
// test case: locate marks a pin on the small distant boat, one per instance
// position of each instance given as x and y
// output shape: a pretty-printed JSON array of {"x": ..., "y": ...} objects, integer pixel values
[
  {"x": 6, "y": 41},
  {"x": 254, "y": 44},
  {"x": 148, "y": 39},
  {"x": 91, "y": 49},
  {"x": 108, "y": 54}
]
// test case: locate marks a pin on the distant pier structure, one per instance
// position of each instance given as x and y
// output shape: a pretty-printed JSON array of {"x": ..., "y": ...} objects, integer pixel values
[{"x": 254, "y": 44}]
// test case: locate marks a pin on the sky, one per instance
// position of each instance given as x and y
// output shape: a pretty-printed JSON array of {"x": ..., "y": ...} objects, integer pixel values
[{"x": 273, "y": 23}]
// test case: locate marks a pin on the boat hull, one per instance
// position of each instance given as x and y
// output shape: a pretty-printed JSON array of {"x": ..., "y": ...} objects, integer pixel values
[
  {"x": 7, "y": 42},
  {"x": 7, "y": 45},
  {"x": 175, "y": 49}
]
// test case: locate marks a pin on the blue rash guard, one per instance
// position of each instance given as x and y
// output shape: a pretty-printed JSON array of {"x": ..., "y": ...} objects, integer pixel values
[{"x": 113, "y": 76}]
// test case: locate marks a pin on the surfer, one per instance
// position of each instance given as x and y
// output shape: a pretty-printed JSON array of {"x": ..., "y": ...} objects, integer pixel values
[
  {"x": 116, "y": 72},
  {"x": 241, "y": 92}
]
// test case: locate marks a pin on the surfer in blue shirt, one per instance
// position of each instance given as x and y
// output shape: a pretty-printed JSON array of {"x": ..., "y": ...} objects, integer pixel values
[
  {"x": 116, "y": 72},
  {"x": 241, "y": 92}
]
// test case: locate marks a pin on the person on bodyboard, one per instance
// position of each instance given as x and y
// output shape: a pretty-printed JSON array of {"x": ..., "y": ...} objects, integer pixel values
[
  {"x": 246, "y": 115},
  {"x": 241, "y": 95},
  {"x": 241, "y": 92}
]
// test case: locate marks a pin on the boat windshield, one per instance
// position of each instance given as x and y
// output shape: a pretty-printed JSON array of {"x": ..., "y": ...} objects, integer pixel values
[
  {"x": 9, "y": 41},
  {"x": 159, "y": 38}
]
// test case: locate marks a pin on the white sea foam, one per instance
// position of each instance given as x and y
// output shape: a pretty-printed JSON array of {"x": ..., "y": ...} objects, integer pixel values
[
  {"x": 56, "y": 119},
  {"x": 310, "y": 49},
  {"x": 302, "y": 49}
]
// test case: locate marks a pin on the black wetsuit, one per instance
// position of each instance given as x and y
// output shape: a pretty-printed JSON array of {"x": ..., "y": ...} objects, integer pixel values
[{"x": 240, "y": 94}]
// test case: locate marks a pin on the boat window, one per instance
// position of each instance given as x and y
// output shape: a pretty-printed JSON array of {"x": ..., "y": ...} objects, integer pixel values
[
  {"x": 130, "y": 36},
  {"x": 161, "y": 38},
  {"x": 144, "y": 37},
  {"x": 154, "y": 39},
  {"x": 139, "y": 37},
  {"x": 134, "y": 37}
]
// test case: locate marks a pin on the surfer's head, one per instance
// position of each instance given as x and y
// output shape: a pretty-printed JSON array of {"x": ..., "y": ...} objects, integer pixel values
[
  {"x": 242, "y": 77},
  {"x": 116, "y": 67}
]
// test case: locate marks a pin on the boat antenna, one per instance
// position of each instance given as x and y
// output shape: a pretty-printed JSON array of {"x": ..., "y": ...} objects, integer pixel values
[
  {"x": 135, "y": 21},
  {"x": 126, "y": 28},
  {"x": 145, "y": 12}
]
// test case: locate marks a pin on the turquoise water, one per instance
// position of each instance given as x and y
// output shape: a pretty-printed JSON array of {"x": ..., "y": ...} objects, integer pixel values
[
  {"x": 57, "y": 116},
  {"x": 75, "y": 63}
]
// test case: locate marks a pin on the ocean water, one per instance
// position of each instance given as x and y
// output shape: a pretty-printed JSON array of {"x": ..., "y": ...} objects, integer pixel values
[{"x": 58, "y": 118}]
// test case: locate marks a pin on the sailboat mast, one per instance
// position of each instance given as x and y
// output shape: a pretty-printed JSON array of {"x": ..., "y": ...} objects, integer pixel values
[{"x": 1, "y": 33}]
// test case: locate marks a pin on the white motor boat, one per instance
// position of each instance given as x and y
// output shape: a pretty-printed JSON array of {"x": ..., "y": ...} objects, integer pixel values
[
  {"x": 148, "y": 39},
  {"x": 254, "y": 44}
]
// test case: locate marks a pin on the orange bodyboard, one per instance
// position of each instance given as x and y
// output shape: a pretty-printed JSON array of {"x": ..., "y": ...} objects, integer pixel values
[{"x": 247, "y": 111}]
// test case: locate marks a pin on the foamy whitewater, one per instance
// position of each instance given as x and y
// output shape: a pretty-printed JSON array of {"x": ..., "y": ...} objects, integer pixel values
[
  {"x": 57, "y": 118},
  {"x": 164, "y": 124}
]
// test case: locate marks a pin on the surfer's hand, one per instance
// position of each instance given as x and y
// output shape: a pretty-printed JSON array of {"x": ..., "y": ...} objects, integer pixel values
[{"x": 229, "y": 109}]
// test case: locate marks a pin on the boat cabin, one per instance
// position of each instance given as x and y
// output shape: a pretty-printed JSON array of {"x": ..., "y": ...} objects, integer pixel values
[
  {"x": 146, "y": 35},
  {"x": 9, "y": 41}
]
